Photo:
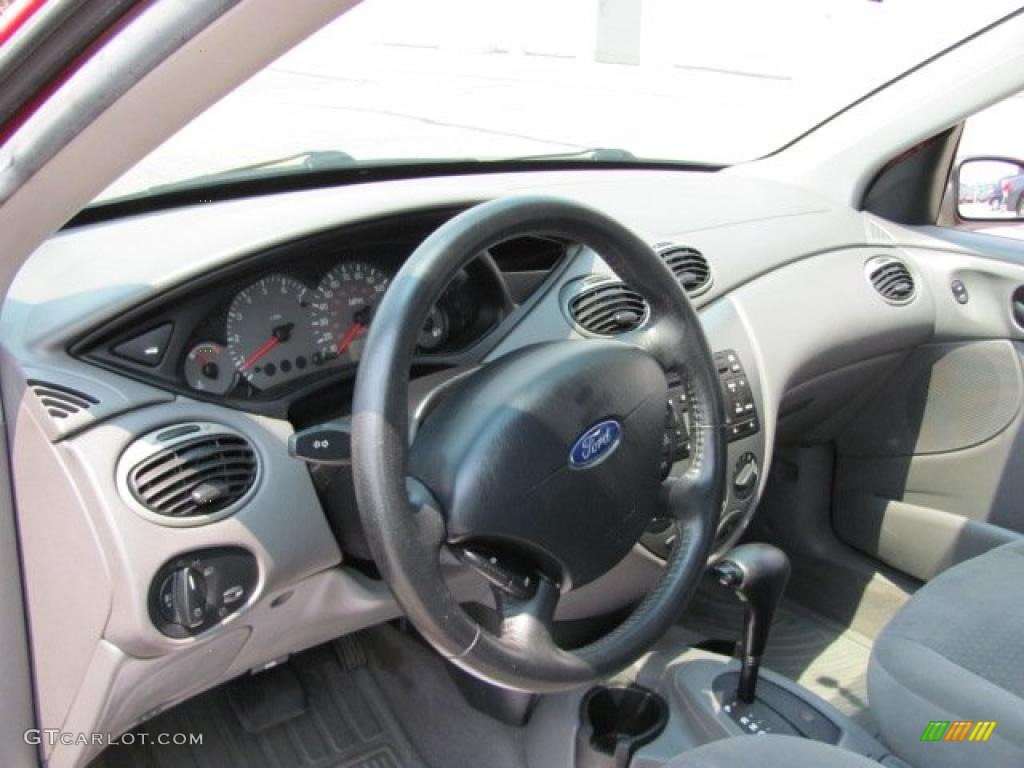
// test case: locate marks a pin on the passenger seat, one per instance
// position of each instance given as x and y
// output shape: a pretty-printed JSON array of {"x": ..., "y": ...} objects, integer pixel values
[{"x": 955, "y": 653}]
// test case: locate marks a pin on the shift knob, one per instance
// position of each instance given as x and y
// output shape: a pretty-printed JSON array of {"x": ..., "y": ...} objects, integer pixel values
[{"x": 758, "y": 573}]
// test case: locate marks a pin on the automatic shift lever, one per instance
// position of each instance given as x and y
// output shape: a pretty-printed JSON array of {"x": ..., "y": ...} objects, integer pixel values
[{"x": 758, "y": 573}]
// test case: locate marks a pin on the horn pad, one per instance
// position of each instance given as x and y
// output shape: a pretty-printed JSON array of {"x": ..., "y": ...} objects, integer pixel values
[{"x": 552, "y": 451}]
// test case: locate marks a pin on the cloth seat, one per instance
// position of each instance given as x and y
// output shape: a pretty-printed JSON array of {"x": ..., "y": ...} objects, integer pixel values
[
  {"x": 769, "y": 752},
  {"x": 955, "y": 652}
]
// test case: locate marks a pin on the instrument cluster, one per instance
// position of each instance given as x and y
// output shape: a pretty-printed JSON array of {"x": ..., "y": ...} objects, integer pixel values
[
  {"x": 266, "y": 332},
  {"x": 279, "y": 328}
]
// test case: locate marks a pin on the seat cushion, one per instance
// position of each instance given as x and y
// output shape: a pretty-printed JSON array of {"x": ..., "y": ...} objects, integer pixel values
[
  {"x": 769, "y": 752},
  {"x": 955, "y": 652}
]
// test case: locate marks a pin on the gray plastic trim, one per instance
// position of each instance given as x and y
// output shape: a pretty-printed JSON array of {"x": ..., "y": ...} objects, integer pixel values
[
  {"x": 105, "y": 78},
  {"x": 17, "y": 710},
  {"x": 918, "y": 540}
]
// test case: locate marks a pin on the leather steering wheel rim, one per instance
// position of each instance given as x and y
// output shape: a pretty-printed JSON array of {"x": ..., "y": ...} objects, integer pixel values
[{"x": 404, "y": 522}]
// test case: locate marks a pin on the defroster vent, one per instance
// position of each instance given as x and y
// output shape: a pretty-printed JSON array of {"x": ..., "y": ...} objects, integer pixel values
[
  {"x": 201, "y": 472},
  {"x": 607, "y": 308},
  {"x": 59, "y": 401}
]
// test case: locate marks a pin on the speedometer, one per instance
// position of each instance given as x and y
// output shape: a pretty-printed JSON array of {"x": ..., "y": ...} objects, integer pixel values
[
  {"x": 268, "y": 331},
  {"x": 343, "y": 307}
]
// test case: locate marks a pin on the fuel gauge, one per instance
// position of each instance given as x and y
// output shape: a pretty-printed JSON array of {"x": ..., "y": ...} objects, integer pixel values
[{"x": 207, "y": 368}]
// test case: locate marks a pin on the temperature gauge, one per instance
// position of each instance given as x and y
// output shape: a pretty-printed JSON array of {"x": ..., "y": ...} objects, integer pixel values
[{"x": 207, "y": 368}]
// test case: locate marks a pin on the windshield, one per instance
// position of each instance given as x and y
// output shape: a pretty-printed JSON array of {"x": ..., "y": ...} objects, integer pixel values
[{"x": 406, "y": 81}]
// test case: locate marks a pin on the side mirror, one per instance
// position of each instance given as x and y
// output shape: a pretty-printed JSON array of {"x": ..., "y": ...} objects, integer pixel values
[{"x": 990, "y": 189}]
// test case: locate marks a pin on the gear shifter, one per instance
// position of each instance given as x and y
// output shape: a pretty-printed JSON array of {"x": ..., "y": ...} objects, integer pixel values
[{"x": 758, "y": 573}]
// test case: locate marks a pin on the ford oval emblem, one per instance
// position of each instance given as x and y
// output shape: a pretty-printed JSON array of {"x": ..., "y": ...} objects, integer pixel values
[{"x": 596, "y": 444}]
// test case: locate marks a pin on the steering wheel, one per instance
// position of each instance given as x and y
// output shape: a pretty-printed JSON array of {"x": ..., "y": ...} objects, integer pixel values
[{"x": 540, "y": 468}]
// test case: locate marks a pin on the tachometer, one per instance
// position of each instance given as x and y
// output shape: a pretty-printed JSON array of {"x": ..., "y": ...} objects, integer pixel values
[
  {"x": 342, "y": 309},
  {"x": 268, "y": 331}
]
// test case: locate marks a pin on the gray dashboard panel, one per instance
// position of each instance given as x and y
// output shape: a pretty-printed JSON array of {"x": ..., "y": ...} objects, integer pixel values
[
  {"x": 282, "y": 525},
  {"x": 820, "y": 314},
  {"x": 83, "y": 276},
  {"x": 68, "y": 583}
]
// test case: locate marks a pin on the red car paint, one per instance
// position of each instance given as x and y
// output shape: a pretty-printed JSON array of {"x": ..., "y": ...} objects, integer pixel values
[{"x": 15, "y": 17}]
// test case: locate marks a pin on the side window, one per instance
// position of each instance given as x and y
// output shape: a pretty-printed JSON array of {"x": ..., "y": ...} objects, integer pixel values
[{"x": 988, "y": 175}]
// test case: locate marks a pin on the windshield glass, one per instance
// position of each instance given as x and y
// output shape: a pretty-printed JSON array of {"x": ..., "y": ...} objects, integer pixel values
[{"x": 408, "y": 81}]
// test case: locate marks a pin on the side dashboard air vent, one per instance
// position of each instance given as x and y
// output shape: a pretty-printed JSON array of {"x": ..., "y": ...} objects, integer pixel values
[
  {"x": 193, "y": 474},
  {"x": 891, "y": 278},
  {"x": 690, "y": 268},
  {"x": 61, "y": 402},
  {"x": 607, "y": 308}
]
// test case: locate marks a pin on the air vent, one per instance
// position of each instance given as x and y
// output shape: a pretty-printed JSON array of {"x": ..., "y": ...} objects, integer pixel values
[
  {"x": 195, "y": 476},
  {"x": 690, "y": 268},
  {"x": 61, "y": 402},
  {"x": 891, "y": 278},
  {"x": 608, "y": 308}
]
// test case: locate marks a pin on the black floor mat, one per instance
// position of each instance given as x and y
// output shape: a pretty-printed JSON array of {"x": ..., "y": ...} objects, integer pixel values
[{"x": 343, "y": 721}]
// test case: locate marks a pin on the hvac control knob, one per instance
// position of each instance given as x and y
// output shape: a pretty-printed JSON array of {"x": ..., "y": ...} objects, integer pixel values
[{"x": 745, "y": 476}]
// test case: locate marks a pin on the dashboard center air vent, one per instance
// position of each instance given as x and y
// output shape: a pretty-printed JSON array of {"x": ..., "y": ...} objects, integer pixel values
[
  {"x": 190, "y": 475},
  {"x": 607, "y": 308},
  {"x": 61, "y": 402},
  {"x": 689, "y": 266},
  {"x": 891, "y": 278}
]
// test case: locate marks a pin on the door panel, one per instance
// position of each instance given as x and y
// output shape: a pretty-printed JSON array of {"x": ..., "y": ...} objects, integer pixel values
[{"x": 931, "y": 471}]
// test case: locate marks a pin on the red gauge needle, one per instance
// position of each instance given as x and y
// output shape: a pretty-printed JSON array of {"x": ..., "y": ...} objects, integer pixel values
[
  {"x": 259, "y": 353},
  {"x": 279, "y": 334},
  {"x": 354, "y": 331}
]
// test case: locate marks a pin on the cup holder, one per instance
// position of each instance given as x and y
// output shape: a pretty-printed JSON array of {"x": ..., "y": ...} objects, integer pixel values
[{"x": 615, "y": 722}]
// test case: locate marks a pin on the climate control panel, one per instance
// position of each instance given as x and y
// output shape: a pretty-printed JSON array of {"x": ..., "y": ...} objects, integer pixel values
[{"x": 741, "y": 418}]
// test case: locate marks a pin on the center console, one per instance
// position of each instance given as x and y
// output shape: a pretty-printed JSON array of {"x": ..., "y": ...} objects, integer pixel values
[{"x": 679, "y": 697}]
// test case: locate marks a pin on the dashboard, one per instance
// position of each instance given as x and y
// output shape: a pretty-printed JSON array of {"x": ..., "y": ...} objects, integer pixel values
[{"x": 231, "y": 329}]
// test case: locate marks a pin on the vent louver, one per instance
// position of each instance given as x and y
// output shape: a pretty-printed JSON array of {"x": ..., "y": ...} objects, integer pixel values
[
  {"x": 608, "y": 308},
  {"x": 197, "y": 476},
  {"x": 61, "y": 402},
  {"x": 690, "y": 268},
  {"x": 892, "y": 279}
]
